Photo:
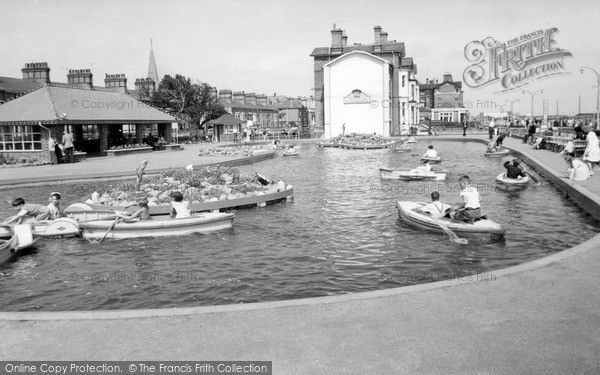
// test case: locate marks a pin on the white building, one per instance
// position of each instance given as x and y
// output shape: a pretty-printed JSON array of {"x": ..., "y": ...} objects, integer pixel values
[{"x": 357, "y": 95}]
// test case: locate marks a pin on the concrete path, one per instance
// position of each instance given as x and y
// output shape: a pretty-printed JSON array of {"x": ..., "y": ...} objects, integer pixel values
[{"x": 541, "y": 317}]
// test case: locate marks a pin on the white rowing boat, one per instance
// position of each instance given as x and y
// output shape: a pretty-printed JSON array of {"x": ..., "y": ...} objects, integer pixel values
[
  {"x": 496, "y": 154},
  {"x": 435, "y": 160},
  {"x": 426, "y": 222},
  {"x": 506, "y": 183},
  {"x": 158, "y": 227},
  {"x": 416, "y": 174},
  {"x": 15, "y": 238}
]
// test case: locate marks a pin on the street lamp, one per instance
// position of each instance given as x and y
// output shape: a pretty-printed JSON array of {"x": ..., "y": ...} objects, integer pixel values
[
  {"x": 511, "y": 104},
  {"x": 598, "y": 95},
  {"x": 532, "y": 95}
]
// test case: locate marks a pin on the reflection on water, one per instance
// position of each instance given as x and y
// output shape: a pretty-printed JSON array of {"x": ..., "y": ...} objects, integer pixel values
[{"x": 341, "y": 234}]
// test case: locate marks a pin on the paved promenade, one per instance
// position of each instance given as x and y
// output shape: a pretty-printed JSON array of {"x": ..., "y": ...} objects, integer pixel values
[
  {"x": 114, "y": 166},
  {"x": 542, "y": 317}
]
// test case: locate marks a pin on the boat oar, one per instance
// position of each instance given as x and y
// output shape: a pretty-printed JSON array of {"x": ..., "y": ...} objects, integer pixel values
[
  {"x": 113, "y": 224},
  {"x": 449, "y": 232}
]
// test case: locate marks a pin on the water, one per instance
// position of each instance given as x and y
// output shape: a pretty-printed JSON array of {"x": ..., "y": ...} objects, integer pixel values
[{"x": 342, "y": 234}]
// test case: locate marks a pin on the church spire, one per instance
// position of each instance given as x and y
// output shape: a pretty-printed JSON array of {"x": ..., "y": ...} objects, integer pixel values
[{"x": 152, "y": 72}]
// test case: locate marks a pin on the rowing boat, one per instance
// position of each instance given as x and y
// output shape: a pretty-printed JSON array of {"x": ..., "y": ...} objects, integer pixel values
[
  {"x": 496, "y": 154},
  {"x": 158, "y": 227},
  {"x": 506, "y": 183},
  {"x": 18, "y": 237},
  {"x": 426, "y": 222},
  {"x": 62, "y": 227},
  {"x": 416, "y": 174},
  {"x": 291, "y": 154},
  {"x": 435, "y": 160}
]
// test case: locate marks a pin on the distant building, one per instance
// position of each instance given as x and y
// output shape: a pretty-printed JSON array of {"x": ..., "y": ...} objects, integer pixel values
[
  {"x": 253, "y": 109},
  {"x": 445, "y": 100},
  {"x": 364, "y": 88},
  {"x": 98, "y": 117}
]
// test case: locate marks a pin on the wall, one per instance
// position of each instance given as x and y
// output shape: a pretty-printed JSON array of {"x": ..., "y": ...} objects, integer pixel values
[{"x": 371, "y": 76}]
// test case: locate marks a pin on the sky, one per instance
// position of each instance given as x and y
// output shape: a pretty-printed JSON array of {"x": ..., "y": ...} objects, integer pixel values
[{"x": 264, "y": 46}]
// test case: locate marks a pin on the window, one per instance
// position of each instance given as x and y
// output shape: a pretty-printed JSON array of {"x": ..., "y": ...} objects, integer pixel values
[
  {"x": 127, "y": 129},
  {"x": 446, "y": 116},
  {"x": 91, "y": 131},
  {"x": 403, "y": 80},
  {"x": 20, "y": 138}
]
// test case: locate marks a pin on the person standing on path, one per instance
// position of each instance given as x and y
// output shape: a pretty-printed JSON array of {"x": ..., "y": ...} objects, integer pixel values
[
  {"x": 67, "y": 141},
  {"x": 592, "y": 149},
  {"x": 464, "y": 128},
  {"x": 51, "y": 144},
  {"x": 491, "y": 129}
]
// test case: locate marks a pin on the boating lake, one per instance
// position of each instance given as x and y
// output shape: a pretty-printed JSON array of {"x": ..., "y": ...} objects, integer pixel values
[{"x": 341, "y": 234}]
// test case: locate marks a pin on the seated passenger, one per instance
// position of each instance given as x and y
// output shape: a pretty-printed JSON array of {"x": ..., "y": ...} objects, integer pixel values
[
  {"x": 55, "y": 208},
  {"x": 430, "y": 153},
  {"x": 143, "y": 213},
  {"x": 435, "y": 209},
  {"x": 470, "y": 209},
  {"x": 181, "y": 208},
  {"x": 491, "y": 147},
  {"x": 29, "y": 212},
  {"x": 513, "y": 170}
]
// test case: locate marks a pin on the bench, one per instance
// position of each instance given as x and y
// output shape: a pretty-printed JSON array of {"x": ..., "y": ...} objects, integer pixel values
[
  {"x": 170, "y": 147},
  {"x": 128, "y": 151},
  {"x": 79, "y": 156}
]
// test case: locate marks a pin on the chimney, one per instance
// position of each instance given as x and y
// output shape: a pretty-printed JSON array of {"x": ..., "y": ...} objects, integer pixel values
[
  {"x": 250, "y": 98},
  {"x": 145, "y": 86},
  {"x": 118, "y": 82},
  {"x": 213, "y": 93},
  {"x": 344, "y": 39},
  {"x": 39, "y": 72},
  {"x": 261, "y": 99},
  {"x": 447, "y": 77},
  {"x": 426, "y": 81},
  {"x": 336, "y": 37},
  {"x": 225, "y": 95},
  {"x": 80, "y": 77},
  {"x": 377, "y": 34},
  {"x": 436, "y": 81},
  {"x": 383, "y": 38},
  {"x": 239, "y": 96}
]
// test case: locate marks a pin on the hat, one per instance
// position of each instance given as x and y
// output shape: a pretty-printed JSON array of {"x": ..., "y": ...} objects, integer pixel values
[{"x": 430, "y": 146}]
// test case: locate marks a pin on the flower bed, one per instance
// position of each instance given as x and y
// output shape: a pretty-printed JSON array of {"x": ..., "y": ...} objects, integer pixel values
[
  {"x": 244, "y": 150},
  {"x": 209, "y": 184}
]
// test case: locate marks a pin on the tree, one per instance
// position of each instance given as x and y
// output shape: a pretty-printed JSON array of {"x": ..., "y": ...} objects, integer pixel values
[{"x": 185, "y": 99}]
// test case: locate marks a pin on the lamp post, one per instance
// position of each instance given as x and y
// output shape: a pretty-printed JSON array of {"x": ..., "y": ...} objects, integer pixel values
[
  {"x": 511, "y": 104},
  {"x": 598, "y": 94},
  {"x": 532, "y": 95}
]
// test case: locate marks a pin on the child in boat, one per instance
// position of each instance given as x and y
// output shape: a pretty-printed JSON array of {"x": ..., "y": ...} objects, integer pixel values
[
  {"x": 436, "y": 209},
  {"x": 430, "y": 153},
  {"x": 31, "y": 212},
  {"x": 513, "y": 170},
  {"x": 499, "y": 141},
  {"x": 143, "y": 213},
  {"x": 491, "y": 147},
  {"x": 55, "y": 208},
  {"x": 470, "y": 209},
  {"x": 290, "y": 149},
  {"x": 181, "y": 208}
]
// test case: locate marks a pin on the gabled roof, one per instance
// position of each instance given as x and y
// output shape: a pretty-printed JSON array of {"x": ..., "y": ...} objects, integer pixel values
[
  {"x": 55, "y": 104},
  {"x": 17, "y": 85},
  {"x": 226, "y": 119},
  {"x": 346, "y": 55}
]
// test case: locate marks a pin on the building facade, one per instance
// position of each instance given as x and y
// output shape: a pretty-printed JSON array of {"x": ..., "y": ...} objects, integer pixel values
[
  {"x": 364, "y": 88},
  {"x": 444, "y": 99}
]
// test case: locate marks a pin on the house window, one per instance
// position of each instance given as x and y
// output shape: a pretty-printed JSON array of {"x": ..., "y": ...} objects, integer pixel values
[
  {"x": 20, "y": 138},
  {"x": 446, "y": 116},
  {"x": 127, "y": 129},
  {"x": 91, "y": 131},
  {"x": 403, "y": 80}
]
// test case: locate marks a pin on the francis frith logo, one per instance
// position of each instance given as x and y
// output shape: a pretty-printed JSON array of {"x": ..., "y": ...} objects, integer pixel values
[{"x": 516, "y": 62}]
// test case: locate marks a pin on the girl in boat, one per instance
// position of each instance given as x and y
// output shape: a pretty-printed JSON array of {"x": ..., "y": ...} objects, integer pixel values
[
  {"x": 143, "y": 213},
  {"x": 56, "y": 210},
  {"x": 181, "y": 208}
]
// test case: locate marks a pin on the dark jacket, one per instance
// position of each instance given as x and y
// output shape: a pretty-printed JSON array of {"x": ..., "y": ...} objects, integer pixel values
[{"x": 513, "y": 171}]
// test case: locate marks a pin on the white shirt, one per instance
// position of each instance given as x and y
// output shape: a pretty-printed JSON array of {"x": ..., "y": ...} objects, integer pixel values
[
  {"x": 431, "y": 153},
  {"x": 436, "y": 209},
  {"x": 182, "y": 209},
  {"x": 491, "y": 125},
  {"x": 470, "y": 197}
]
